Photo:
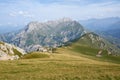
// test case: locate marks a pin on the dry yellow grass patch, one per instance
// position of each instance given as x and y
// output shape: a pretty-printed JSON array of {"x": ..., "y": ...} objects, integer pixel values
[{"x": 63, "y": 65}]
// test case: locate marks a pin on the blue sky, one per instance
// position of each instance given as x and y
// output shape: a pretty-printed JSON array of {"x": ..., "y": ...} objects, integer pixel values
[{"x": 20, "y": 12}]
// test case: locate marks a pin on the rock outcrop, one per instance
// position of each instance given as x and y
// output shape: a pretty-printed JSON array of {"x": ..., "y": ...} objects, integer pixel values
[{"x": 10, "y": 52}]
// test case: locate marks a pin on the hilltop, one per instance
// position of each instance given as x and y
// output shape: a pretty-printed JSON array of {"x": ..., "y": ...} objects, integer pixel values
[{"x": 109, "y": 28}]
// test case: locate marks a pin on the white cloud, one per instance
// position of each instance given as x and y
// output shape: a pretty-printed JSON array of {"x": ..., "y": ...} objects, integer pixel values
[
  {"x": 96, "y": 10},
  {"x": 21, "y": 13},
  {"x": 26, "y": 11}
]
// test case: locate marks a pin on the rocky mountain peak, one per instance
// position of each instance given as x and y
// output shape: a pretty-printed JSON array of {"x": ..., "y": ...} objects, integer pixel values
[
  {"x": 48, "y": 34},
  {"x": 31, "y": 26},
  {"x": 36, "y": 25}
]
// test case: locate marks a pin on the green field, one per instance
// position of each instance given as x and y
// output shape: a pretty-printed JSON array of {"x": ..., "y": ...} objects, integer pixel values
[{"x": 65, "y": 64}]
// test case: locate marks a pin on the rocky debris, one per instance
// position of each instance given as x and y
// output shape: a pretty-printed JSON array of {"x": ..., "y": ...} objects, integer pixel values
[
  {"x": 10, "y": 52},
  {"x": 37, "y": 48},
  {"x": 109, "y": 50},
  {"x": 99, "y": 54},
  {"x": 7, "y": 57}
]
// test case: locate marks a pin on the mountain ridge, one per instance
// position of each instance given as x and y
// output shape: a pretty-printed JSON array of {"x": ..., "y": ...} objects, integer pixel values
[
  {"x": 52, "y": 34},
  {"x": 47, "y": 34},
  {"x": 109, "y": 28}
]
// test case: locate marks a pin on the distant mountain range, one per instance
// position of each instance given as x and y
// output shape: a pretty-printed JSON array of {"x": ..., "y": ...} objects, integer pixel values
[
  {"x": 108, "y": 28},
  {"x": 9, "y": 28},
  {"x": 55, "y": 34},
  {"x": 101, "y": 24}
]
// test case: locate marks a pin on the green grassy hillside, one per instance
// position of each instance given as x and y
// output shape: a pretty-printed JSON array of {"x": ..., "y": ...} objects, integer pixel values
[
  {"x": 87, "y": 48},
  {"x": 92, "y": 52}
]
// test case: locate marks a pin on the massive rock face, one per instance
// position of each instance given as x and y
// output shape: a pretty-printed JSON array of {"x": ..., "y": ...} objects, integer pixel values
[
  {"x": 10, "y": 52},
  {"x": 47, "y": 34}
]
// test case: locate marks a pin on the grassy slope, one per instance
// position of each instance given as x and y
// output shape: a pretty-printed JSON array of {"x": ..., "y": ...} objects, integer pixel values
[
  {"x": 92, "y": 52},
  {"x": 64, "y": 65}
]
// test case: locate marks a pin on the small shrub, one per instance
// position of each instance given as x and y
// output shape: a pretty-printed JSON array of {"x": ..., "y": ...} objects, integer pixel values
[
  {"x": 35, "y": 55},
  {"x": 2, "y": 43}
]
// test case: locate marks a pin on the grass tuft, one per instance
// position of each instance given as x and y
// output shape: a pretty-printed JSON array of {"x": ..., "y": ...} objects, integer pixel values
[
  {"x": 17, "y": 52},
  {"x": 2, "y": 43}
]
